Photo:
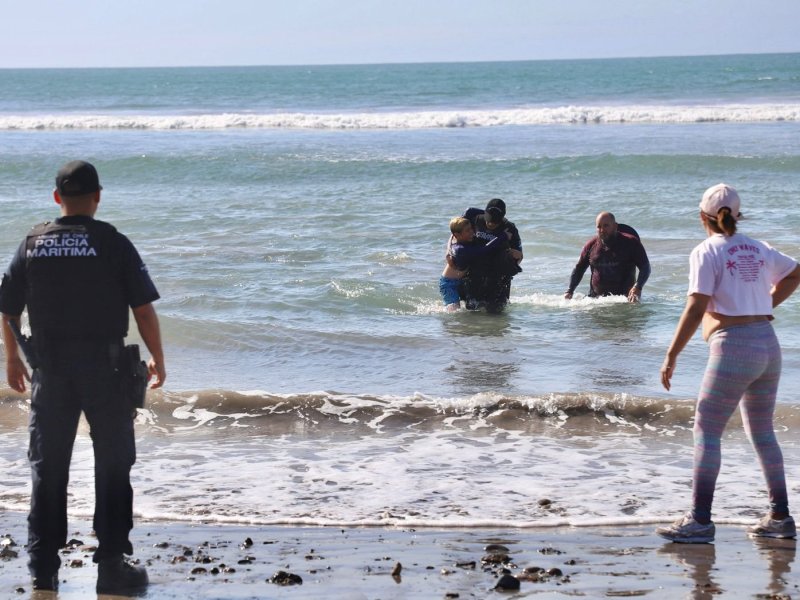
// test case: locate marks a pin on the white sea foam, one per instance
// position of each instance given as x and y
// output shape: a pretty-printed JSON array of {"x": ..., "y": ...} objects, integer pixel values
[
  {"x": 440, "y": 479},
  {"x": 739, "y": 113},
  {"x": 473, "y": 469},
  {"x": 578, "y": 302}
]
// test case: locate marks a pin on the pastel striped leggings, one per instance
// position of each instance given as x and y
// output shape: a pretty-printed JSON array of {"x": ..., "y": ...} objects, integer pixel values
[{"x": 744, "y": 367}]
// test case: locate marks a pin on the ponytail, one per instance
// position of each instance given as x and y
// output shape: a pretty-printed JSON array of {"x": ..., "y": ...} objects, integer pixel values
[{"x": 725, "y": 221}]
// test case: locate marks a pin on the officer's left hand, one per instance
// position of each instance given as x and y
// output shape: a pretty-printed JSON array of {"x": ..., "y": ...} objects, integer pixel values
[{"x": 17, "y": 374}]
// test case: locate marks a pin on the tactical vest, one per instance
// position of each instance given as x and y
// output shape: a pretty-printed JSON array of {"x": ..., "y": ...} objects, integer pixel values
[{"x": 74, "y": 282}]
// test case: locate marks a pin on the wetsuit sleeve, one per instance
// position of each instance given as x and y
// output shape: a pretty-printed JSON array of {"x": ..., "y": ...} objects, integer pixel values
[
  {"x": 12, "y": 290},
  {"x": 580, "y": 267},
  {"x": 642, "y": 263},
  {"x": 139, "y": 288}
]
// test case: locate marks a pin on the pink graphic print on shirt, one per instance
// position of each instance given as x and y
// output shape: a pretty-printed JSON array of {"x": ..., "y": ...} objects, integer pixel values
[{"x": 747, "y": 262}]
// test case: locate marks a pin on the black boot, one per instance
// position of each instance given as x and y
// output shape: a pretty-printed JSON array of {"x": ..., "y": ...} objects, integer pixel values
[
  {"x": 115, "y": 575},
  {"x": 46, "y": 582}
]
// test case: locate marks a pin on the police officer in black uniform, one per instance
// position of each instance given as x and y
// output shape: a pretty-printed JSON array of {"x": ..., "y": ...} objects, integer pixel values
[
  {"x": 78, "y": 277},
  {"x": 488, "y": 282}
]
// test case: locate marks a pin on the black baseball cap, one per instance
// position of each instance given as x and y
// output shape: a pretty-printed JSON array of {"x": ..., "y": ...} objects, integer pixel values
[
  {"x": 493, "y": 214},
  {"x": 498, "y": 204},
  {"x": 77, "y": 178}
]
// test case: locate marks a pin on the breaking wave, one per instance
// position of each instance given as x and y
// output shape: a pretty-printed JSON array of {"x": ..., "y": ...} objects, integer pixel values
[
  {"x": 564, "y": 115},
  {"x": 317, "y": 412},
  {"x": 211, "y": 412}
]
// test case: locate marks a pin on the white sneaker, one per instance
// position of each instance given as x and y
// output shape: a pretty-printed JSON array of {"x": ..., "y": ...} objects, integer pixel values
[
  {"x": 773, "y": 528},
  {"x": 688, "y": 531}
]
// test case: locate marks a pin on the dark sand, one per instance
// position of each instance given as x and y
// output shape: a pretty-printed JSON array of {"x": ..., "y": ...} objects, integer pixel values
[{"x": 229, "y": 561}]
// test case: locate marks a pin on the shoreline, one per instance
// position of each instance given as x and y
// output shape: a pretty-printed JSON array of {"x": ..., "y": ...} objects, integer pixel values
[{"x": 203, "y": 560}]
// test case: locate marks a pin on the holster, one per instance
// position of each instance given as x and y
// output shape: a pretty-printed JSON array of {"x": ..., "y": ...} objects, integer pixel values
[{"x": 133, "y": 371}]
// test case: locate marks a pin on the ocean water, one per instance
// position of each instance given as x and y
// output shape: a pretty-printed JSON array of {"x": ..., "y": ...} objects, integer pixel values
[{"x": 294, "y": 220}]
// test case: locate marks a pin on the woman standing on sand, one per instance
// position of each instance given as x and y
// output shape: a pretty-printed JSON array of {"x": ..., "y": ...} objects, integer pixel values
[{"x": 734, "y": 283}]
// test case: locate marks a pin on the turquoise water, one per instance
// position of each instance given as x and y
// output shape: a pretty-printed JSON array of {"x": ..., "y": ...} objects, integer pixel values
[
  {"x": 447, "y": 86},
  {"x": 294, "y": 219}
]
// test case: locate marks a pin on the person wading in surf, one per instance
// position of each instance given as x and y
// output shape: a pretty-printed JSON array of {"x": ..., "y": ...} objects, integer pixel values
[{"x": 613, "y": 256}]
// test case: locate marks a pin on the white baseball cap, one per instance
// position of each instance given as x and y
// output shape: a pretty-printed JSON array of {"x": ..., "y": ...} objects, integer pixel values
[{"x": 718, "y": 197}]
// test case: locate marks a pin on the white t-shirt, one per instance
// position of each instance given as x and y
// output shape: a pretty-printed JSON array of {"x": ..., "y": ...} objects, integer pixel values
[{"x": 738, "y": 273}]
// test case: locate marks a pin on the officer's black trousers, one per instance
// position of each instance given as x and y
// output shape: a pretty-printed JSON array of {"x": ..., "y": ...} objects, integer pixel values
[{"x": 75, "y": 377}]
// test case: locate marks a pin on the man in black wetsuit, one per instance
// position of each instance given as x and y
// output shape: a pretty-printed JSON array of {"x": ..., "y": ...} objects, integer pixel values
[
  {"x": 78, "y": 278},
  {"x": 488, "y": 282},
  {"x": 613, "y": 255}
]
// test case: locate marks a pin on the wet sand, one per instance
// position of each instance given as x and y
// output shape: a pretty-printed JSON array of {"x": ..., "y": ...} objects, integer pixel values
[{"x": 230, "y": 561}]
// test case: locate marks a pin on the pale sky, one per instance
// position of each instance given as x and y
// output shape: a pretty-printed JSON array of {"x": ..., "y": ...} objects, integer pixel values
[{"x": 124, "y": 33}]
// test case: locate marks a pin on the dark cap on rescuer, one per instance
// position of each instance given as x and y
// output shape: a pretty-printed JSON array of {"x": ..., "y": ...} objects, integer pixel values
[
  {"x": 495, "y": 211},
  {"x": 493, "y": 215},
  {"x": 497, "y": 203},
  {"x": 77, "y": 178}
]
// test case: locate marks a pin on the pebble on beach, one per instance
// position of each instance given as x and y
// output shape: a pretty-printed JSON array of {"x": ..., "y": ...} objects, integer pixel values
[
  {"x": 496, "y": 559},
  {"x": 541, "y": 575},
  {"x": 284, "y": 578},
  {"x": 496, "y": 548},
  {"x": 202, "y": 563},
  {"x": 507, "y": 582},
  {"x": 6, "y": 544}
]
